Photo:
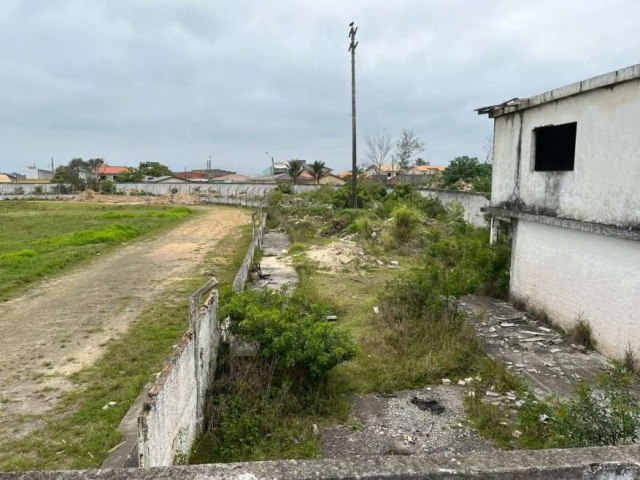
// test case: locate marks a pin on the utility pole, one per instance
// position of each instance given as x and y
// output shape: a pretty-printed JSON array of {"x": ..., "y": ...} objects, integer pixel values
[
  {"x": 209, "y": 172},
  {"x": 354, "y": 166}
]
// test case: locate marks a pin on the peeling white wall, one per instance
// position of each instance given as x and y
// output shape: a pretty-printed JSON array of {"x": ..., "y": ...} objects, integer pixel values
[
  {"x": 603, "y": 187},
  {"x": 567, "y": 272}
]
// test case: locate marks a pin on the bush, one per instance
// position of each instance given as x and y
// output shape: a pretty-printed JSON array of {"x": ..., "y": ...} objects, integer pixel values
[
  {"x": 599, "y": 414},
  {"x": 406, "y": 221},
  {"x": 368, "y": 193},
  {"x": 107, "y": 186},
  {"x": 290, "y": 330}
]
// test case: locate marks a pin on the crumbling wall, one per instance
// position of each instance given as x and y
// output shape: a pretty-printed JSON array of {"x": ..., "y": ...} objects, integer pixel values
[
  {"x": 567, "y": 273},
  {"x": 173, "y": 413},
  {"x": 472, "y": 203}
]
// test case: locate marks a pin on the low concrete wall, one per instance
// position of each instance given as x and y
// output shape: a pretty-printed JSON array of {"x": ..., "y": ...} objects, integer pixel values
[
  {"x": 471, "y": 202},
  {"x": 601, "y": 463},
  {"x": 172, "y": 415},
  {"x": 259, "y": 221}
]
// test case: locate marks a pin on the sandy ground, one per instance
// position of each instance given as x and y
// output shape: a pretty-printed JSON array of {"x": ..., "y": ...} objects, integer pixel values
[{"x": 61, "y": 325}]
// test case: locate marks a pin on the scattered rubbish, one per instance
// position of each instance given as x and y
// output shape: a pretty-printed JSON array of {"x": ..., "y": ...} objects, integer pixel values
[
  {"x": 490, "y": 393},
  {"x": 507, "y": 324},
  {"x": 332, "y": 318},
  {"x": 315, "y": 429},
  {"x": 545, "y": 329},
  {"x": 462, "y": 383},
  {"x": 516, "y": 433},
  {"x": 394, "y": 263},
  {"x": 432, "y": 405},
  {"x": 543, "y": 418},
  {"x": 376, "y": 310},
  {"x": 446, "y": 381}
]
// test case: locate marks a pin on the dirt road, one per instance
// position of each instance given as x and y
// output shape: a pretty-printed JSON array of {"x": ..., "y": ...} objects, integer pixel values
[{"x": 61, "y": 325}]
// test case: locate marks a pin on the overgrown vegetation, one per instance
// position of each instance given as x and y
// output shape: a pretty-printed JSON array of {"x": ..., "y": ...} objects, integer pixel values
[
  {"x": 262, "y": 407},
  {"x": 47, "y": 237},
  {"x": 598, "y": 414}
]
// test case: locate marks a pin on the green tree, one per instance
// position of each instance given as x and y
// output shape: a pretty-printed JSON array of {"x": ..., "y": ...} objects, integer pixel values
[
  {"x": 132, "y": 175},
  {"x": 153, "y": 169},
  {"x": 318, "y": 171},
  {"x": 75, "y": 173},
  {"x": 294, "y": 169},
  {"x": 468, "y": 169}
]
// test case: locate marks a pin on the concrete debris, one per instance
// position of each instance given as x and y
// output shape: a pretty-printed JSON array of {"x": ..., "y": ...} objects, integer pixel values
[
  {"x": 315, "y": 429},
  {"x": 343, "y": 255},
  {"x": 462, "y": 383},
  {"x": 491, "y": 393},
  {"x": 332, "y": 318},
  {"x": 446, "y": 381},
  {"x": 394, "y": 263},
  {"x": 376, "y": 310},
  {"x": 541, "y": 355}
]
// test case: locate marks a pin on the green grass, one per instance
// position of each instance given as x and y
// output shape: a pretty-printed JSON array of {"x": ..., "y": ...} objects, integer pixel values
[
  {"x": 78, "y": 433},
  {"x": 38, "y": 239}
]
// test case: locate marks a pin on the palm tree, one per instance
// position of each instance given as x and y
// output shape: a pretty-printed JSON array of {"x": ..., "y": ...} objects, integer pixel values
[
  {"x": 294, "y": 169},
  {"x": 318, "y": 171}
]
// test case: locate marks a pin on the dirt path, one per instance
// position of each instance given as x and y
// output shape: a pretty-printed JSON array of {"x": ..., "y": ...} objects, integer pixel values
[{"x": 61, "y": 325}]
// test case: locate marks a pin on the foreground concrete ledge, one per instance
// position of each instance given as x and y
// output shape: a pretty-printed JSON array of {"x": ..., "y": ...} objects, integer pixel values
[
  {"x": 577, "y": 463},
  {"x": 589, "y": 227}
]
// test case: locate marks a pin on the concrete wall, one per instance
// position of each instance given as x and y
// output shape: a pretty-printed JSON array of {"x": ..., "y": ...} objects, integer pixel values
[
  {"x": 259, "y": 220},
  {"x": 471, "y": 202},
  {"x": 172, "y": 415},
  {"x": 251, "y": 190},
  {"x": 603, "y": 187},
  {"x": 566, "y": 273},
  {"x": 600, "y": 463}
]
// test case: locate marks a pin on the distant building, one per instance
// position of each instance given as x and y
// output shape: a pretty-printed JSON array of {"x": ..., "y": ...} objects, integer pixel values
[
  {"x": 165, "y": 179},
  {"x": 566, "y": 173},
  {"x": 107, "y": 172},
  {"x": 35, "y": 173},
  {"x": 7, "y": 178},
  {"x": 203, "y": 175}
]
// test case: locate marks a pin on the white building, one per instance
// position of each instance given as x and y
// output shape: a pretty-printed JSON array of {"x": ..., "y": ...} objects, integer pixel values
[{"x": 566, "y": 173}]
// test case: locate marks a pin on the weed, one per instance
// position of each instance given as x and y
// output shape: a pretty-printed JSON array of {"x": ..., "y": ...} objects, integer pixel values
[
  {"x": 405, "y": 223},
  {"x": 582, "y": 334}
]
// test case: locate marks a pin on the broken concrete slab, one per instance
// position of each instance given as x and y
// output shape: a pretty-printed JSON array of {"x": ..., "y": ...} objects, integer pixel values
[{"x": 539, "y": 354}]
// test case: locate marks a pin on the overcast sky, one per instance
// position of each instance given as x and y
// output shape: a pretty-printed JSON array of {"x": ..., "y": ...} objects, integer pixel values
[{"x": 176, "y": 81}]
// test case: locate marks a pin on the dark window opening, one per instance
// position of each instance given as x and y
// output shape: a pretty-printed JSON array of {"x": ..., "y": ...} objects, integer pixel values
[{"x": 555, "y": 147}]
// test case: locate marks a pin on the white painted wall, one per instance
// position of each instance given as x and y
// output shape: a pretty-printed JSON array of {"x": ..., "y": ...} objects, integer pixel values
[
  {"x": 567, "y": 272},
  {"x": 471, "y": 203},
  {"x": 603, "y": 187}
]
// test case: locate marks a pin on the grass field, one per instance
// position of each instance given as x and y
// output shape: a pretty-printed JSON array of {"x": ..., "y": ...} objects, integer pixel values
[{"x": 41, "y": 238}]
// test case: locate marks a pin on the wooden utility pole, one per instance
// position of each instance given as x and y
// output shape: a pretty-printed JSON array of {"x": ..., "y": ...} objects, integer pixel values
[{"x": 354, "y": 166}]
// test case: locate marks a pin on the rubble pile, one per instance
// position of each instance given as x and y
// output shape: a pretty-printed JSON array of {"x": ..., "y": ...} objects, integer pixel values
[{"x": 343, "y": 255}]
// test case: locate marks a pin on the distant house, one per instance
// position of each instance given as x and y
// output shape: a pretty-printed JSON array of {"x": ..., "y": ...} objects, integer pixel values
[
  {"x": 165, "y": 179},
  {"x": 424, "y": 170},
  {"x": 382, "y": 172},
  {"x": 332, "y": 179},
  {"x": 203, "y": 175},
  {"x": 107, "y": 172},
  {"x": 305, "y": 178},
  {"x": 6, "y": 178},
  {"x": 232, "y": 178},
  {"x": 35, "y": 173}
]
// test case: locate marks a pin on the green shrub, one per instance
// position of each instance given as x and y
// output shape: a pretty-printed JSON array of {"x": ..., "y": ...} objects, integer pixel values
[
  {"x": 291, "y": 331},
  {"x": 107, "y": 186},
  {"x": 362, "y": 226},
  {"x": 368, "y": 193},
  {"x": 599, "y": 414},
  {"x": 406, "y": 221},
  {"x": 285, "y": 189}
]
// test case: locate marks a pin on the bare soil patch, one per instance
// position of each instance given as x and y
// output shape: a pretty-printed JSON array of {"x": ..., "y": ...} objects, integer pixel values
[{"x": 61, "y": 325}]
